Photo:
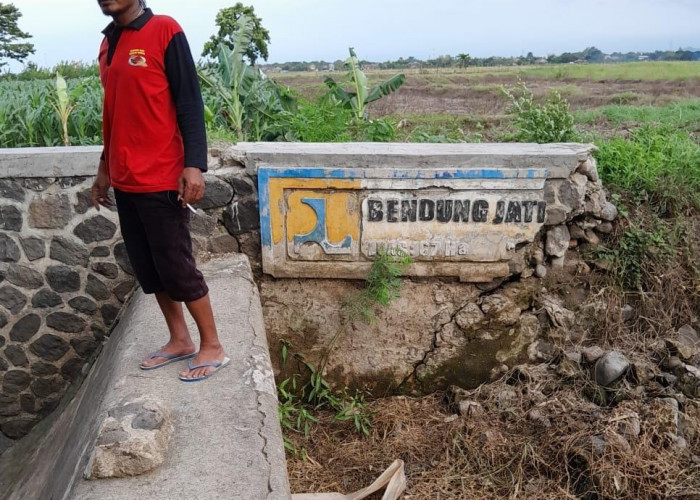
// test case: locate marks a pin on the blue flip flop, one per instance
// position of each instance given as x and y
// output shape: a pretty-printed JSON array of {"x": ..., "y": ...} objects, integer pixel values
[
  {"x": 217, "y": 367},
  {"x": 169, "y": 358}
]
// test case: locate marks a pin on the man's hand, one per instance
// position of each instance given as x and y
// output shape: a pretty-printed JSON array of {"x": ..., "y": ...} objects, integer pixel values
[
  {"x": 190, "y": 186},
  {"x": 99, "y": 193}
]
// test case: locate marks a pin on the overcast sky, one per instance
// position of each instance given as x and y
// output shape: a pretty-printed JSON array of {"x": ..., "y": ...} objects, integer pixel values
[{"x": 388, "y": 29}]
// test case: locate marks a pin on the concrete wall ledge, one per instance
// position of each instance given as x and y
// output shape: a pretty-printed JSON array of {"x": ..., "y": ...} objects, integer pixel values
[{"x": 227, "y": 441}]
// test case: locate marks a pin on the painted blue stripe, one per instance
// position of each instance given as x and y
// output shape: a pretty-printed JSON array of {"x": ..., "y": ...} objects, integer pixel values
[
  {"x": 349, "y": 173},
  {"x": 264, "y": 207}
]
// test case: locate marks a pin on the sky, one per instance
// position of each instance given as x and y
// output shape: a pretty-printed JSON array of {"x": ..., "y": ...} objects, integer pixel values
[{"x": 379, "y": 30}]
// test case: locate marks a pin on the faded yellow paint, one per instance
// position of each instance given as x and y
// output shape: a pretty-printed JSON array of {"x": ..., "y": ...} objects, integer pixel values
[
  {"x": 342, "y": 215},
  {"x": 278, "y": 206}
]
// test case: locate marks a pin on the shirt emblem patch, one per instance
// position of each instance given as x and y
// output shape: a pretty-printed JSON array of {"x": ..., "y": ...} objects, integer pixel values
[{"x": 137, "y": 57}]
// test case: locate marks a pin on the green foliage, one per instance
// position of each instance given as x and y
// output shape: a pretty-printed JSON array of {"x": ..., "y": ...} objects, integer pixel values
[
  {"x": 659, "y": 164},
  {"x": 383, "y": 285},
  {"x": 10, "y": 35},
  {"x": 247, "y": 101},
  {"x": 638, "y": 249},
  {"x": 542, "y": 123},
  {"x": 360, "y": 94},
  {"x": 229, "y": 21},
  {"x": 684, "y": 114},
  {"x": 28, "y": 117},
  {"x": 322, "y": 122},
  {"x": 63, "y": 106}
]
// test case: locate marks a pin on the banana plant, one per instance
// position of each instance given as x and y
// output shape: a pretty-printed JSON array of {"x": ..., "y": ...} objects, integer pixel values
[
  {"x": 360, "y": 94},
  {"x": 63, "y": 106}
]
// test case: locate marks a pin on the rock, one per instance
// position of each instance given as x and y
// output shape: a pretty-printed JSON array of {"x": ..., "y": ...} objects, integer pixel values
[
  {"x": 689, "y": 382},
  {"x": 506, "y": 399},
  {"x": 46, "y": 298},
  {"x": 50, "y": 211},
  {"x": 49, "y": 347},
  {"x": 540, "y": 271},
  {"x": 47, "y": 406},
  {"x": 610, "y": 367},
  {"x": 644, "y": 371},
  {"x": 683, "y": 350},
  {"x": 100, "y": 252},
  {"x": 44, "y": 387},
  {"x": 38, "y": 184},
  {"x": 10, "y": 218},
  {"x": 25, "y": 328},
  {"x": 28, "y": 403},
  {"x": 556, "y": 214},
  {"x": 664, "y": 413},
  {"x": 630, "y": 426},
  {"x": 11, "y": 190},
  {"x": 15, "y": 381},
  {"x": 673, "y": 362},
  {"x": 242, "y": 216},
  {"x": 470, "y": 408},
  {"x": 595, "y": 199},
  {"x": 470, "y": 317},
  {"x": 62, "y": 279},
  {"x": 500, "y": 309},
  {"x": 242, "y": 184},
  {"x": 568, "y": 369},
  {"x": 98, "y": 333},
  {"x": 588, "y": 168},
  {"x": 572, "y": 193},
  {"x": 109, "y": 313},
  {"x": 84, "y": 201},
  {"x": 202, "y": 224},
  {"x": 667, "y": 379},
  {"x": 592, "y": 354},
  {"x": 133, "y": 445},
  {"x": 557, "y": 241},
  {"x": 557, "y": 313},
  {"x": 597, "y": 445},
  {"x": 122, "y": 258},
  {"x": 609, "y": 212},
  {"x": 83, "y": 305},
  {"x": 66, "y": 182},
  {"x": 16, "y": 429},
  {"x": 96, "y": 289},
  {"x": 68, "y": 252},
  {"x": 9, "y": 251},
  {"x": 72, "y": 368},
  {"x": 217, "y": 193},
  {"x": 84, "y": 347},
  {"x": 15, "y": 355},
  {"x": 3, "y": 322},
  {"x": 688, "y": 337},
  {"x": 538, "y": 255},
  {"x": 627, "y": 313},
  {"x": 538, "y": 417},
  {"x": 106, "y": 269},
  {"x": 591, "y": 237},
  {"x": 222, "y": 244},
  {"x": 576, "y": 232},
  {"x": 604, "y": 228},
  {"x": 122, "y": 290},
  {"x": 98, "y": 228},
  {"x": 40, "y": 369},
  {"x": 24, "y": 276},
  {"x": 34, "y": 248},
  {"x": 65, "y": 322},
  {"x": 9, "y": 405},
  {"x": 541, "y": 350},
  {"x": 12, "y": 299}
]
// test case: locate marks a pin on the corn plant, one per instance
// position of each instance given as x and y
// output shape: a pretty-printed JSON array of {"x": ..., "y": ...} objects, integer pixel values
[{"x": 62, "y": 105}]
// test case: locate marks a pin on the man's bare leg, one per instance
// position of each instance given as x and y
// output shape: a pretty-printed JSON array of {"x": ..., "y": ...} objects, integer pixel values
[
  {"x": 180, "y": 341},
  {"x": 210, "y": 350}
]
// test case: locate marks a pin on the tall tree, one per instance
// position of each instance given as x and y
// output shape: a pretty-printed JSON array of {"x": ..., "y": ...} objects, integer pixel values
[
  {"x": 463, "y": 60},
  {"x": 227, "y": 21},
  {"x": 10, "y": 33}
]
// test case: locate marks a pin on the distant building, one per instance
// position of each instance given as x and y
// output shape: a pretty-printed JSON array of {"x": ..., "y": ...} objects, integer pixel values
[{"x": 643, "y": 58}]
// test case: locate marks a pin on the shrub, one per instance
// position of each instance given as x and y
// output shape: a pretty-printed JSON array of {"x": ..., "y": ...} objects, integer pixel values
[{"x": 542, "y": 123}]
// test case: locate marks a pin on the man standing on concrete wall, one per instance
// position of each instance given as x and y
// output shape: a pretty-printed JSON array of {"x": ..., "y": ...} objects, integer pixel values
[{"x": 155, "y": 151}]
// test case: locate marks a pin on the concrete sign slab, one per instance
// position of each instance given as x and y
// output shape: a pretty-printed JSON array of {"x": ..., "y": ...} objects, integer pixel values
[{"x": 332, "y": 222}]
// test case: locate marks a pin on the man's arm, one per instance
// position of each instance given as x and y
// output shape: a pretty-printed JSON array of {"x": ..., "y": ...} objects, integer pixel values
[
  {"x": 99, "y": 194},
  {"x": 184, "y": 87}
]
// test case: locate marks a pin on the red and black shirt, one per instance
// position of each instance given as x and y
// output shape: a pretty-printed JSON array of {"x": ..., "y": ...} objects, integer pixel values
[{"x": 153, "y": 115}]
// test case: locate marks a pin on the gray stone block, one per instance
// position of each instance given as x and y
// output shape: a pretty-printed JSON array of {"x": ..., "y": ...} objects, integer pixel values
[
  {"x": 65, "y": 322},
  {"x": 24, "y": 276},
  {"x": 9, "y": 405},
  {"x": 610, "y": 367},
  {"x": 12, "y": 299},
  {"x": 83, "y": 305},
  {"x": 96, "y": 289},
  {"x": 71, "y": 369},
  {"x": 10, "y": 218},
  {"x": 62, "y": 279},
  {"x": 45, "y": 387},
  {"x": 202, "y": 224},
  {"x": 15, "y": 381},
  {"x": 3, "y": 322},
  {"x": 97, "y": 228},
  {"x": 11, "y": 190},
  {"x": 46, "y": 298},
  {"x": 69, "y": 252},
  {"x": 49, "y": 347},
  {"x": 557, "y": 241},
  {"x": 34, "y": 248},
  {"x": 217, "y": 193},
  {"x": 28, "y": 403},
  {"x": 123, "y": 289},
  {"x": 38, "y": 184},
  {"x": 101, "y": 251},
  {"x": 242, "y": 216},
  {"x": 9, "y": 250},
  {"x": 15, "y": 355},
  {"x": 84, "y": 347},
  {"x": 40, "y": 369},
  {"x": 109, "y": 313},
  {"x": 19, "y": 428},
  {"x": 50, "y": 212},
  {"x": 25, "y": 328},
  {"x": 106, "y": 269},
  {"x": 122, "y": 258}
]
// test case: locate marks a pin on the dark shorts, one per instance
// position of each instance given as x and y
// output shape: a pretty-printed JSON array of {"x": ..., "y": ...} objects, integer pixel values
[{"x": 157, "y": 237}]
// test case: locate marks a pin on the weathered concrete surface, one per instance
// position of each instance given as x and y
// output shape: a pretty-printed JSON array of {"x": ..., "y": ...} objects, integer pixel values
[
  {"x": 48, "y": 162},
  {"x": 559, "y": 159},
  {"x": 227, "y": 442}
]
